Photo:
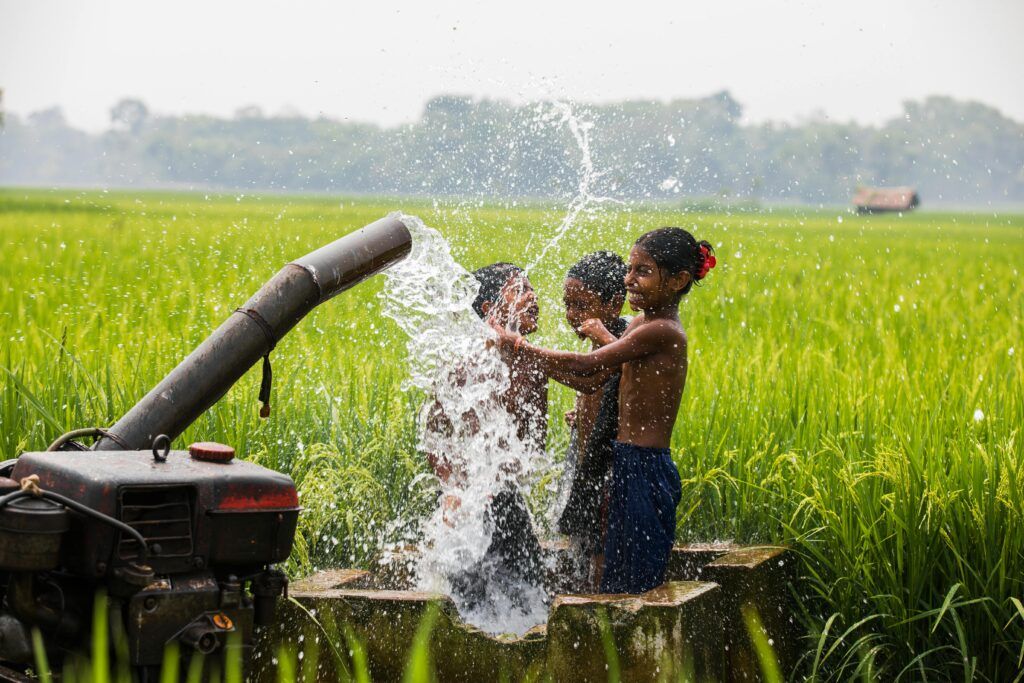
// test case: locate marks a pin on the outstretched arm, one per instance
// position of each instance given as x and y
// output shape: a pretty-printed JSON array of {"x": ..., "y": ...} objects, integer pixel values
[
  {"x": 594, "y": 330},
  {"x": 586, "y": 384},
  {"x": 642, "y": 341}
]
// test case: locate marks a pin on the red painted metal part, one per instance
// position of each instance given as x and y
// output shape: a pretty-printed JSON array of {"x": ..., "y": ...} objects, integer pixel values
[
  {"x": 211, "y": 451},
  {"x": 253, "y": 498}
]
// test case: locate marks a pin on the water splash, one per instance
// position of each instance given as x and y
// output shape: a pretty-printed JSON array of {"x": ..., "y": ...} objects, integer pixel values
[
  {"x": 561, "y": 113},
  {"x": 463, "y": 424},
  {"x": 430, "y": 297}
]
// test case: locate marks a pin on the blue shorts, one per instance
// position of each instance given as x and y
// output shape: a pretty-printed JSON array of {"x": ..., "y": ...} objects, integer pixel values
[{"x": 645, "y": 491}]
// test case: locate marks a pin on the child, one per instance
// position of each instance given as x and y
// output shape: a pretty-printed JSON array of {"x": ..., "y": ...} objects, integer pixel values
[
  {"x": 513, "y": 559},
  {"x": 506, "y": 298},
  {"x": 593, "y": 294},
  {"x": 645, "y": 489}
]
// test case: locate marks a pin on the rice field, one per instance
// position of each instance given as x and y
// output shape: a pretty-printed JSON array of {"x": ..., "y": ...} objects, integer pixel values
[{"x": 855, "y": 388}]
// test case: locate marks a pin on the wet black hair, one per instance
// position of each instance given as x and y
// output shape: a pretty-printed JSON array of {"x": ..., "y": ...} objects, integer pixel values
[
  {"x": 492, "y": 278},
  {"x": 602, "y": 273},
  {"x": 676, "y": 250}
]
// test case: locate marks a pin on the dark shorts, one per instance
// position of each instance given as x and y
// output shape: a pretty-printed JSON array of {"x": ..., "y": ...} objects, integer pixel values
[
  {"x": 645, "y": 491},
  {"x": 583, "y": 519},
  {"x": 513, "y": 559}
]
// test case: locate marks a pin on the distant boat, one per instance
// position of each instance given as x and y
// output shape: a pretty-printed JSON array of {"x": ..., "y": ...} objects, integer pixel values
[{"x": 882, "y": 199}]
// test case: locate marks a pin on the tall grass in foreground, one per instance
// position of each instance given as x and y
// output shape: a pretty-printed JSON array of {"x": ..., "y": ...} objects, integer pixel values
[
  {"x": 349, "y": 664},
  {"x": 854, "y": 389}
]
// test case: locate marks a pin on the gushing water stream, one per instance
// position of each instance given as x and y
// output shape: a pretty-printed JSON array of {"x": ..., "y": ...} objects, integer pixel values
[
  {"x": 430, "y": 296},
  {"x": 464, "y": 423}
]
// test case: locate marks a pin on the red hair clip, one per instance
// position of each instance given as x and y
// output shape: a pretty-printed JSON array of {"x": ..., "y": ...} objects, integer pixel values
[{"x": 709, "y": 262}]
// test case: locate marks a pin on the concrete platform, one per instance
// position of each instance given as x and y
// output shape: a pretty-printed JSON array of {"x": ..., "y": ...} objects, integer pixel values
[{"x": 691, "y": 626}]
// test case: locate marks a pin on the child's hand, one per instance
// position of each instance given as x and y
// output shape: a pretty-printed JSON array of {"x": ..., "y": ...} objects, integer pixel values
[
  {"x": 570, "y": 417},
  {"x": 507, "y": 340},
  {"x": 594, "y": 329}
]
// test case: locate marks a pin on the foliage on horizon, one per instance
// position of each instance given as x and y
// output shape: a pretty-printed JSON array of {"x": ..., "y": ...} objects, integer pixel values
[{"x": 952, "y": 151}]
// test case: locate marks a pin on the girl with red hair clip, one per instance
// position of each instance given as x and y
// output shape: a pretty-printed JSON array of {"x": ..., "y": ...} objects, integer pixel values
[{"x": 651, "y": 354}]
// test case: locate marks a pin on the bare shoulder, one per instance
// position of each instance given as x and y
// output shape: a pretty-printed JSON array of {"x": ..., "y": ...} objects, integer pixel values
[
  {"x": 668, "y": 330},
  {"x": 656, "y": 336},
  {"x": 680, "y": 334}
]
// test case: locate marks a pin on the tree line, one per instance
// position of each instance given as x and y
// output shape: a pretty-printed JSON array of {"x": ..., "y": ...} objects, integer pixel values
[{"x": 952, "y": 151}]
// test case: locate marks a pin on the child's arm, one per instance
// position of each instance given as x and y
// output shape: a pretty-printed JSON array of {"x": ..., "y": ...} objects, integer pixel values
[
  {"x": 586, "y": 384},
  {"x": 439, "y": 423},
  {"x": 595, "y": 331},
  {"x": 644, "y": 340}
]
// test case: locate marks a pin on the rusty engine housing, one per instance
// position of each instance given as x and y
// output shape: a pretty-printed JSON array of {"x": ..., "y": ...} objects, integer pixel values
[
  {"x": 183, "y": 543},
  {"x": 212, "y": 529},
  {"x": 193, "y": 514}
]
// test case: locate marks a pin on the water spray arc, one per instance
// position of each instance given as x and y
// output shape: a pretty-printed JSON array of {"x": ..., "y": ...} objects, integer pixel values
[
  {"x": 584, "y": 198},
  {"x": 430, "y": 297}
]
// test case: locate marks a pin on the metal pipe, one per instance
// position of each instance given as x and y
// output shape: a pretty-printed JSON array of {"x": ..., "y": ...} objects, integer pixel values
[
  {"x": 26, "y": 606},
  {"x": 251, "y": 332}
]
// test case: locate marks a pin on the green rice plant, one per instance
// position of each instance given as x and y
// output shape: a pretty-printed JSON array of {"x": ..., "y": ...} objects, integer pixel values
[
  {"x": 196, "y": 665},
  {"x": 286, "y": 670},
  {"x": 100, "y": 644},
  {"x": 335, "y": 637},
  {"x": 360, "y": 664},
  {"x": 853, "y": 388},
  {"x": 418, "y": 668},
  {"x": 233, "y": 658},
  {"x": 611, "y": 654},
  {"x": 41, "y": 661},
  {"x": 310, "y": 656},
  {"x": 170, "y": 669},
  {"x": 766, "y": 658}
]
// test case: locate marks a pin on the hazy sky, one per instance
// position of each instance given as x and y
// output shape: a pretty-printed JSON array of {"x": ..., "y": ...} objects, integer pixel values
[{"x": 380, "y": 61}]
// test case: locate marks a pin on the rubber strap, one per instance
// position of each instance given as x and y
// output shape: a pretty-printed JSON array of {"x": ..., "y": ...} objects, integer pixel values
[{"x": 268, "y": 375}]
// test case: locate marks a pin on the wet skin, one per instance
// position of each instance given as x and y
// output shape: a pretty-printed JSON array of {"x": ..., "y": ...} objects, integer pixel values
[
  {"x": 589, "y": 316},
  {"x": 652, "y": 355},
  {"x": 526, "y": 399},
  {"x": 516, "y": 308}
]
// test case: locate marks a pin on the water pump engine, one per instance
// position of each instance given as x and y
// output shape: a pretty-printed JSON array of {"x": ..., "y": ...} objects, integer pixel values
[
  {"x": 183, "y": 543},
  {"x": 199, "y": 567}
]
